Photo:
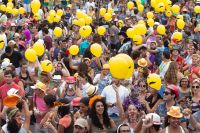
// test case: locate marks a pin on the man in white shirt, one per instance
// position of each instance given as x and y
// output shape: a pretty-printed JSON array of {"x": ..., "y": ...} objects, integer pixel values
[
  {"x": 89, "y": 4},
  {"x": 110, "y": 94}
]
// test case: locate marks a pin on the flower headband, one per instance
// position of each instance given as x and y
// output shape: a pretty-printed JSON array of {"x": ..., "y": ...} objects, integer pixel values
[{"x": 93, "y": 99}]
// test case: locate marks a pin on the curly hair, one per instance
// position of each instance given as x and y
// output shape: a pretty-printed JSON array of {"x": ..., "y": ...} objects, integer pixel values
[
  {"x": 171, "y": 74},
  {"x": 94, "y": 117}
]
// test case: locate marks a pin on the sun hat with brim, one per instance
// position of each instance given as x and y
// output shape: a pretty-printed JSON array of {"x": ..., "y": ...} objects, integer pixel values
[
  {"x": 91, "y": 90},
  {"x": 81, "y": 122},
  {"x": 5, "y": 64},
  {"x": 156, "y": 118},
  {"x": 76, "y": 101},
  {"x": 39, "y": 85},
  {"x": 175, "y": 112},
  {"x": 142, "y": 62},
  {"x": 70, "y": 80},
  {"x": 11, "y": 101}
]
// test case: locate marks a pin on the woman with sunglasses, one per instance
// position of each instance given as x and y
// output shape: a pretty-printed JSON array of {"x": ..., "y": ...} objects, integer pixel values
[{"x": 195, "y": 106}]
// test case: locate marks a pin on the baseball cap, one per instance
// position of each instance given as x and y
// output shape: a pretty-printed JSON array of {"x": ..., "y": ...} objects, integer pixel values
[
  {"x": 156, "y": 118},
  {"x": 82, "y": 123}
]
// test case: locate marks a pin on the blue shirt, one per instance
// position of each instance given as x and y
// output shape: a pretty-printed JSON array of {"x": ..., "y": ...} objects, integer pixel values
[{"x": 27, "y": 1}]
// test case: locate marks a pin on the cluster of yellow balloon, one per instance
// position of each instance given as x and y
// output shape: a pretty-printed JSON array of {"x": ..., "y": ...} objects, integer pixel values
[
  {"x": 9, "y": 9},
  {"x": 197, "y": 9},
  {"x": 162, "y": 6},
  {"x": 83, "y": 19},
  {"x": 46, "y": 65},
  {"x": 85, "y": 31},
  {"x": 55, "y": 16},
  {"x": 177, "y": 36},
  {"x": 101, "y": 30},
  {"x": 180, "y": 24},
  {"x": 121, "y": 66},
  {"x": 130, "y": 5},
  {"x": 161, "y": 29},
  {"x": 96, "y": 49},
  {"x": 57, "y": 32},
  {"x": 35, "y": 6},
  {"x": 73, "y": 50},
  {"x": 154, "y": 81}
]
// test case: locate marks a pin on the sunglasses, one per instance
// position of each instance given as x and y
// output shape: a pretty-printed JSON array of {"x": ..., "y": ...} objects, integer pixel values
[
  {"x": 197, "y": 87},
  {"x": 166, "y": 93}
]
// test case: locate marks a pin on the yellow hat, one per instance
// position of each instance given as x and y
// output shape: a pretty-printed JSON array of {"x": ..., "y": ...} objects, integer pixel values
[
  {"x": 142, "y": 62},
  {"x": 106, "y": 66},
  {"x": 39, "y": 85},
  {"x": 175, "y": 112}
]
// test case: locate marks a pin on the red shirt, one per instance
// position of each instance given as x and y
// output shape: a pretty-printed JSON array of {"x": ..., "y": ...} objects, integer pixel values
[
  {"x": 16, "y": 80},
  {"x": 5, "y": 88}
]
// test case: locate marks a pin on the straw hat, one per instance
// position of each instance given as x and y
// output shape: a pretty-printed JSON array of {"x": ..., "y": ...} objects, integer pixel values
[
  {"x": 91, "y": 90},
  {"x": 11, "y": 101},
  {"x": 175, "y": 112},
  {"x": 39, "y": 85},
  {"x": 142, "y": 62},
  {"x": 106, "y": 66}
]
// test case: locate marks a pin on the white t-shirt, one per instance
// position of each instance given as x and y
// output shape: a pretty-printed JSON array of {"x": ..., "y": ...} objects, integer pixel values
[
  {"x": 163, "y": 68},
  {"x": 88, "y": 5},
  {"x": 110, "y": 94},
  {"x": 96, "y": 78}
]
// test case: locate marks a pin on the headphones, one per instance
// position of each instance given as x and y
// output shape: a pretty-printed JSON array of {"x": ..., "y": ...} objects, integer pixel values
[{"x": 187, "y": 80}]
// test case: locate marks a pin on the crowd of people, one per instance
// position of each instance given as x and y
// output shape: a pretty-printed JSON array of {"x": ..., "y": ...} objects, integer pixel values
[{"x": 80, "y": 92}]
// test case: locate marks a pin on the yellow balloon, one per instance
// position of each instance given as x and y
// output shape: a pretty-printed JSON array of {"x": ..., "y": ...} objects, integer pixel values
[
  {"x": 57, "y": 32},
  {"x": 1, "y": 42},
  {"x": 110, "y": 10},
  {"x": 60, "y": 12},
  {"x": 161, "y": 7},
  {"x": 161, "y": 29},
  {"x": 180, "y": 24},
  {"x": 101, "y": 30},
  {"x": 130, "y": 32},
  {"x": 130, "y": 63},
  {"x": 177, "y": 36},
  {"x": 75, "y": 22},
  {"x": 73, "y": 50},
  {"x": 80, "y": 14},
  {"x": 175, "y": 9},
  {"x": 142, "y": 22},
  {"x": 57, "y": 18},
  {"x": 179, "y": 17},
  {"x": 197, "y": 9},
  {"x": 119, "y": 67},
  {"x": 150, "y": 22},
  {"x": 96, "y": 50},
  {"x": 15, "y": 11},
  {"x": 137, "y": 39},
  {"x": 3, "y": 8},
  {"x": 36, "y": 16},
  {"x": 108, "y": 17},
  {"x": 21, "y": 10},
  {"x": 50, "y": 20},
  {"x": 168, "y": 4},
  {"x": 140, "y": 8},
  {"x": 102, "y": 11},
  {"x": 141, "y": 29},
  {"x": 88, "y": 20},
  {"x": 81, "y": 22},
  {"x": 153, "y": 3},
  {"x": 30, "y": 55},
  {"x": 39, "y": 48},
  {"x": 9, "y": 9},
  {"x": 130, "y": 5},
  {"x": 154, "y": 81},
  {"x": 46, "y": 65},
  {"x": 9, "y": 0},
  {"x": 10, "y": 4},
  {"x": 52, "y": 13},
  {"x": 85, "y": 31},
  {"x": 35, "y": 5},
  {"x": 168, "y": 13},
  {"x": 150, "y": 15}
]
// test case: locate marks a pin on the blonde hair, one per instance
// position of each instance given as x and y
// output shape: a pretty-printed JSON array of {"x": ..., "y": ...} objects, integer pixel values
[{"x": 171, "y": 74}]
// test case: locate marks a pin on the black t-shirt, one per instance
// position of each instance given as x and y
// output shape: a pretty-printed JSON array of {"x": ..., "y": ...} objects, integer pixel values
[{"x": 15, "y": 58}]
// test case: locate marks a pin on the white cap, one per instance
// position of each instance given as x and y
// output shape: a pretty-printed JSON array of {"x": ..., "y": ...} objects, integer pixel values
[
  {"x": 12, "y": 91},
  {"x": 12, "y": 24},
  {"x": 56, "y": 77},
  {"x": 5, "y": 64},
  {"x": 156, "y": 118}
]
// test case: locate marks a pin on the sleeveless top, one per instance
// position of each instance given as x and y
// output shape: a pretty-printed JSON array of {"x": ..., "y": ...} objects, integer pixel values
[{"x": 167, "y": 130}]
